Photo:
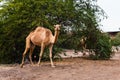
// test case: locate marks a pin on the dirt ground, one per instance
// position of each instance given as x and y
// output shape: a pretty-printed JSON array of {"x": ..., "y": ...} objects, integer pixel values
[{"x": 67, "y": 69}]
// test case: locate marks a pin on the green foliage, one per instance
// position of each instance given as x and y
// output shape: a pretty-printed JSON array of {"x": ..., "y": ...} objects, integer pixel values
[
  {"x": 116, "y": 40},
  {"x": 19, "y": 17},
  {"x": 103, "y": 47}
]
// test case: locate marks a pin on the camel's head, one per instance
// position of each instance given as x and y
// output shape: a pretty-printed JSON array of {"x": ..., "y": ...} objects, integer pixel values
[{"x": 57, "y": 27}]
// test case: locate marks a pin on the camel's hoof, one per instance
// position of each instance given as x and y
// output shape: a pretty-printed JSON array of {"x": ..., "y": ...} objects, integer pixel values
[
  {"x": 21, "y": 65},
  {"x": 38, "y": 65},
  {"x": 32, "y": 64}
]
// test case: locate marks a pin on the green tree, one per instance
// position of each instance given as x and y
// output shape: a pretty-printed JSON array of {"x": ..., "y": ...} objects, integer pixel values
[{"x": 19, "y": 17}]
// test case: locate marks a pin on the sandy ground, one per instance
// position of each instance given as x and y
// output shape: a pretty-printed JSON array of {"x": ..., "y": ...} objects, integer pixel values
[{"x": 67, "y": 69}]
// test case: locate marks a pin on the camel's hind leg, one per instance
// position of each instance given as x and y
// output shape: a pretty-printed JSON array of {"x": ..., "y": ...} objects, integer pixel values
[
  {"x": 26, "y": 50},
  {"x": 23, "y": 57},
  {"x": 41, "y": 52},
  {"x": 31, "y": 51}
]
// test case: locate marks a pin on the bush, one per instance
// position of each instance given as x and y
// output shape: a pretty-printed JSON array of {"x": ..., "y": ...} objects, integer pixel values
[
  {"x": 116, "y": 40},
  {"x": 19, "y": 17},
  {"x": 103, "y": 48}
]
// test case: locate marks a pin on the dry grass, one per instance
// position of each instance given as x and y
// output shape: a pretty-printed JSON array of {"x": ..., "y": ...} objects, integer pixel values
[{"x": 67, "y": 69}]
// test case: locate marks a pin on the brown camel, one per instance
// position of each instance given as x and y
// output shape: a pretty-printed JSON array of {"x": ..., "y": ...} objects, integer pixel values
[
  {"x": 41, "y": 37},
  {"x": 84, "y": 47},
  {"x": 83, "y": 44}
]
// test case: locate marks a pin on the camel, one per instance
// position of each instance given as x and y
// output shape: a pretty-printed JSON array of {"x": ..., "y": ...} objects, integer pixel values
[
  {"x": 41, "y": 37},
  {"x": 84, "y": 47},
  {"x": 83, "y": 44}
]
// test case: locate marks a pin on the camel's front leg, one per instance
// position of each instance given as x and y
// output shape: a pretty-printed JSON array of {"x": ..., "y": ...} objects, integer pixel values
[
  {"x": 50, "y": 49},
  {"x": 41, "y": 52}
]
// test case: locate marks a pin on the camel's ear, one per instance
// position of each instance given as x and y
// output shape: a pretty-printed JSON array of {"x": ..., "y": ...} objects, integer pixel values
[{"x": 57, "y": 25}]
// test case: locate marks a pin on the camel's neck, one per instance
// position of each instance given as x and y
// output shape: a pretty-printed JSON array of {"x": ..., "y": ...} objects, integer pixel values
[{"x": 56, "y": 36}]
